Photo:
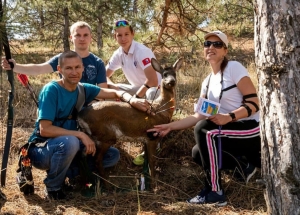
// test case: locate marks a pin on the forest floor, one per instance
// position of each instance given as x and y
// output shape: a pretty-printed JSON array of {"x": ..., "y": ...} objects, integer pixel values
[{"x": 179, "y": 178}]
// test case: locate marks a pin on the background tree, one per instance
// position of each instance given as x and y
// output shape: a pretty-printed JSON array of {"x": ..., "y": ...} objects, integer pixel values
[
  {"x": 176, "y": 25},
  {"x": 277, "y": 54},
  {"x": 234, "y": 17},
  {"x": 66, "y": 32},
  {"x": 179, "y": 22}
]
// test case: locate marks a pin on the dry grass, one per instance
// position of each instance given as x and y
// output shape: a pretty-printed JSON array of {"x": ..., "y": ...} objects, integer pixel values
[{"x": 178, "y": 177}]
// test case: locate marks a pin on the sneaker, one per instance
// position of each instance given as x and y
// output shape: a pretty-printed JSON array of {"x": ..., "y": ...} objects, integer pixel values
[
  {"x": 215, "y": 198},
  {"x": 249, "y": 171},
  {"x": 55, "y": 195},
  {"x": 139, "y": 160},
  {"x": 246, "y": 174},
  {"x": 200, "y": 198}
]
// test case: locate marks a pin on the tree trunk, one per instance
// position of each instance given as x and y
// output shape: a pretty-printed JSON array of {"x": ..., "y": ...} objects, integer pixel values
[
  {"x": 277, "y": 56},
  {"x": 66, "y": 30},
  {"x": 42, "y": 22},
  {"x": 164, "y": 20},
  {"x": 135, "y": 7},
  {"x": 100, "y": 28}
]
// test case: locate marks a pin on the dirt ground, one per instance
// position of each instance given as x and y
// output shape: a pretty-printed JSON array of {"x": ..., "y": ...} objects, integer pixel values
[{"x": 179, "y": 178}]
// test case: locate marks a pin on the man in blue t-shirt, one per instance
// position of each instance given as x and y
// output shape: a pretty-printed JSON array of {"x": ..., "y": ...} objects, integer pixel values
[
  {"x": 59, "y": 132},
  {"x": 81, "y": 37}
]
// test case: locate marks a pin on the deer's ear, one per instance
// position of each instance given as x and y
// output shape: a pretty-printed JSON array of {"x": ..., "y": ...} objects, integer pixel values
[
  {"x": 178, "y": 64},
  {"x": 156, "y": 65}
]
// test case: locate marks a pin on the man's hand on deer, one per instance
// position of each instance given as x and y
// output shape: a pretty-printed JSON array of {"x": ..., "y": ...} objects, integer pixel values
[
  {"x": 90, "y": 147},
  {"x": 141, "y": 104}
]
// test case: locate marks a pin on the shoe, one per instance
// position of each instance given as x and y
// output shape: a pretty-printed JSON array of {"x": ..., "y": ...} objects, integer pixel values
[
  {"x": 246, "y": 174},
  {"x": 71, "y": 185},
  {"x": 68, "y": 187},
  {"x": 215, "y": 198},
  {"x": 200, "y": 198},
  {"x": 139, "y": 160},
  {"x": 249, "y": 171},
  {"x": 55, "y": 195}
]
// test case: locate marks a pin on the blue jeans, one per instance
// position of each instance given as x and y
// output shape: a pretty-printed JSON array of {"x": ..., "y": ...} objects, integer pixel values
[
  {"x": 111, "y": 157},
  {"x": 57, "y": 155}
]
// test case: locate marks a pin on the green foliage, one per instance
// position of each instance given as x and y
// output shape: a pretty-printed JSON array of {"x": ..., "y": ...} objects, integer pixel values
[
  {"x": 236, "y": 16},
  {"x": 43, "y": 22}
]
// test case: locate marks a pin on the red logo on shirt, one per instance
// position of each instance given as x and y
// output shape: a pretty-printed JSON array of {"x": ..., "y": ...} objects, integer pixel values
[{"x": 146, "y": 61}]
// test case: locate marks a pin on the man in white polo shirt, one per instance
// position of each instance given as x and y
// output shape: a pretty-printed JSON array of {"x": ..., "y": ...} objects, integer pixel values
[{"x": 135, "y": 61}]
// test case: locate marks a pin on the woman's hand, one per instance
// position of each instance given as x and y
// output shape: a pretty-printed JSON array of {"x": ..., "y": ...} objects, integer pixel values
[
  {"x": 220, "y": 119},
  {"x": 160, "y": 130}
]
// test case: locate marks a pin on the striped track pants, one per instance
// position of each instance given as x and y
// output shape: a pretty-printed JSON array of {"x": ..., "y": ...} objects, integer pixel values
[{"x": 241, "y": 138}]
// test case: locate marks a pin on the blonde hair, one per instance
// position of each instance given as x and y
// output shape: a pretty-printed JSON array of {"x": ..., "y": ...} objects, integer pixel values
[{"x": 79, "y": 24}]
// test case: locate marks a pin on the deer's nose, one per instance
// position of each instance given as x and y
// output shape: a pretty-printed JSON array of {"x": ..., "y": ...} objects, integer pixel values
[{"x": 171, "y": 82}]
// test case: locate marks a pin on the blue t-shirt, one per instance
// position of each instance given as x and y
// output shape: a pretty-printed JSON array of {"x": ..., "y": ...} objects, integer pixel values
[
  {"x": 56, "y": 104},
  {"x": 94, "y": 69}
]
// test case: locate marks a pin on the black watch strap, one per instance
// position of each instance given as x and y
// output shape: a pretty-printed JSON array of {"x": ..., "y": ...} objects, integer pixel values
[{"x": 232, "y": 115}]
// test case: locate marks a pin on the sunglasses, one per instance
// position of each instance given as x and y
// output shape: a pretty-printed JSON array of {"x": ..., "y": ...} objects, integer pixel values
[
  {"x": 217, "y": 44},
  {"x": 121, "y": 23}
]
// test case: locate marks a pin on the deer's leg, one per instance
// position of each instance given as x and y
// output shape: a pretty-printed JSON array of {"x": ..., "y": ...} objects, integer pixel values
[
  {"x": 151, "y": 151},
  {"x": 101, "y": 150}
]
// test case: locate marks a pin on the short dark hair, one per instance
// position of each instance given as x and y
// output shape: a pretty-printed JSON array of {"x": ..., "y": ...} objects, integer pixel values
[{"x": 67, "y": 54}]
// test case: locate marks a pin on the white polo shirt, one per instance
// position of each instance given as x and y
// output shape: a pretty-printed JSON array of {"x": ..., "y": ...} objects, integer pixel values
[{"x": 133, "y": 63}]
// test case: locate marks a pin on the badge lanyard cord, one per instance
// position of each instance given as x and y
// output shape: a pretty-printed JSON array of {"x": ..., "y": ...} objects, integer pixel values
[{"x": 220, "y": 128}]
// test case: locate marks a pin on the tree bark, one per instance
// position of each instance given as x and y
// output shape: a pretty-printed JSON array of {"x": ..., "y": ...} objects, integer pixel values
[
  {"x": 100, "y": 28},
  {"x": 135, "y": 7},
  {"x": 66, "y": 30},
  {"x": 164, "y": 20},
  {"x": 277, "y": 56}
]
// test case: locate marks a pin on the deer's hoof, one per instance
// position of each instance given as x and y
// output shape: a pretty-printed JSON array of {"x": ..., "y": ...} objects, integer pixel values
[{"x": 151, "y": 135}]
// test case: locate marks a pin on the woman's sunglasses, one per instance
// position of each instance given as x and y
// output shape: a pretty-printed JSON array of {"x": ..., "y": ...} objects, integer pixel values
[
  {"x": 217, "y": 44},
  {"x": 121, "y": 23}
]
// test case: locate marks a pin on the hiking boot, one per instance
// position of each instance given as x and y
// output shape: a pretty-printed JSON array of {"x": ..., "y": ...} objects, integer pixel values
[
  {"x": 215, "y": 198},
  {"x": 55, "y": 195},
  {"x": 200, "y": 198},
  {"x": 67, "y": 187},
  {"x": 71, "y": 185}
]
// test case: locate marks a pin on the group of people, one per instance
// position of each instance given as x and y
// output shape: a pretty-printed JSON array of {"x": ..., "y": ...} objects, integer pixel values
[{"x": 222, "y": 140}]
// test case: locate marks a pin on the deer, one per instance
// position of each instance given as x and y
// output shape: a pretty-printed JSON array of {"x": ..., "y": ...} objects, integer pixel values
[{"x": 107, "y": 122}]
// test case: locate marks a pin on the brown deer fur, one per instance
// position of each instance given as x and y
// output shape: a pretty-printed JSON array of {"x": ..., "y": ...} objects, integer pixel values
[{"x": 109, "y": 121}]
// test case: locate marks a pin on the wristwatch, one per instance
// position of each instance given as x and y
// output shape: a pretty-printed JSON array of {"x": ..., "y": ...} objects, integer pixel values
[{"x": 232, "y": 115}]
